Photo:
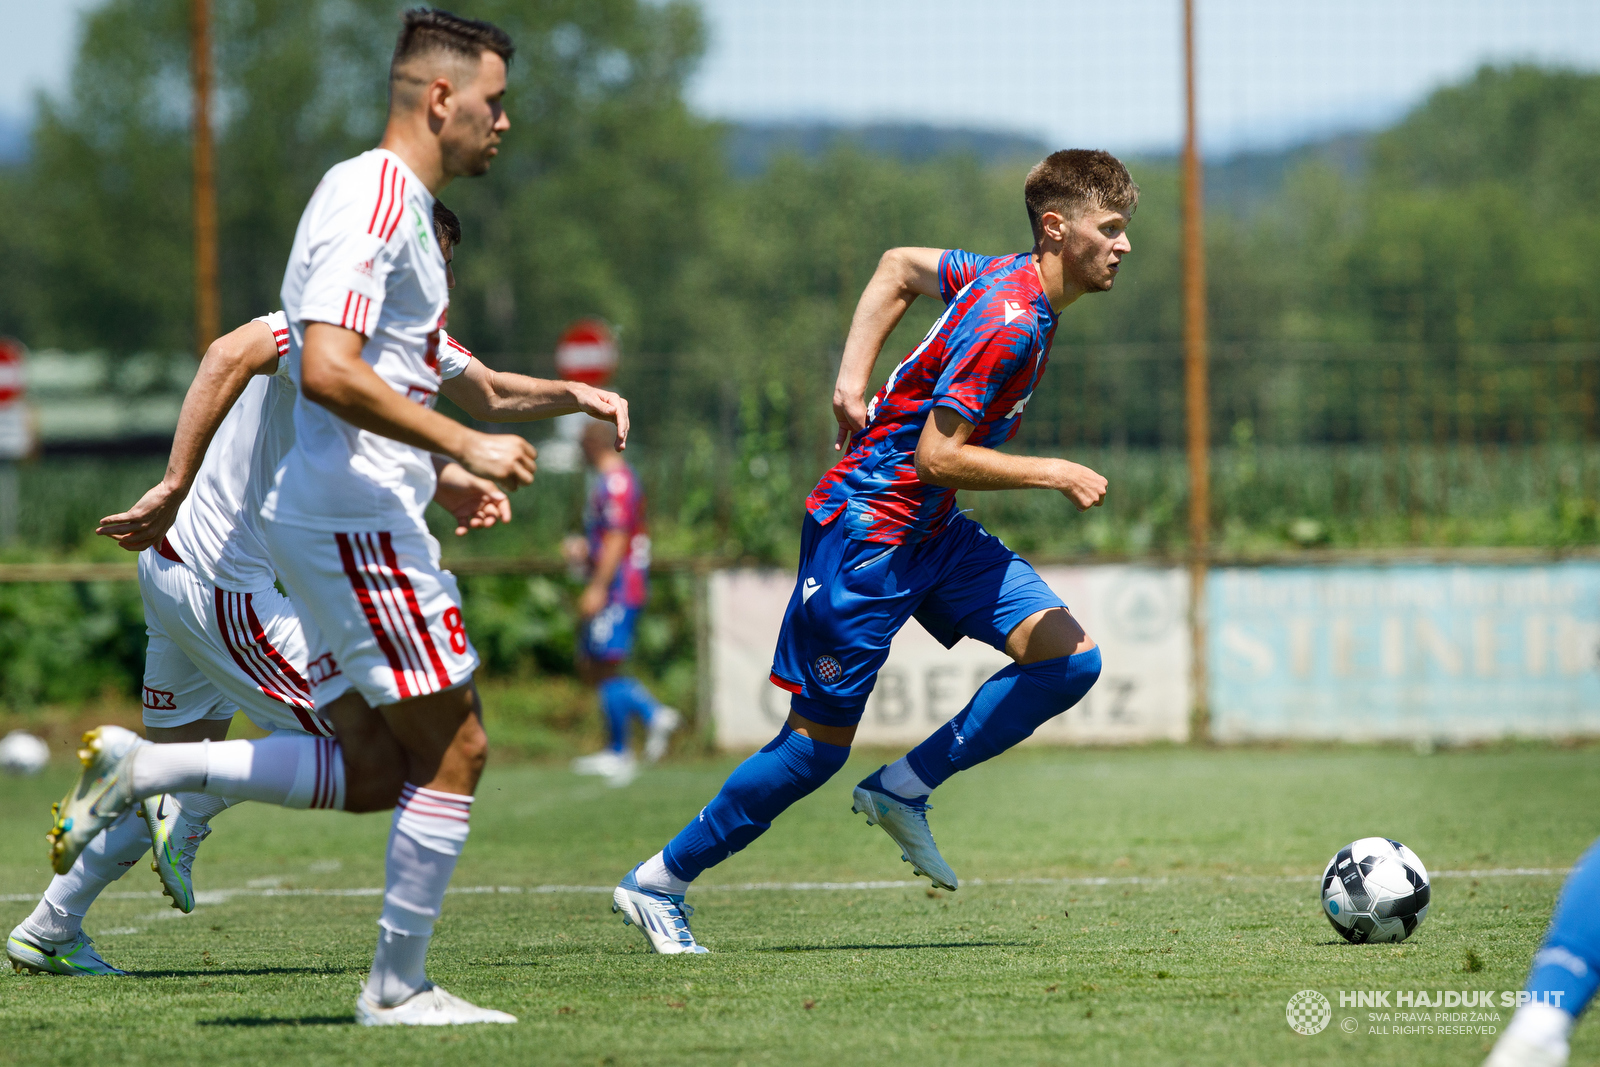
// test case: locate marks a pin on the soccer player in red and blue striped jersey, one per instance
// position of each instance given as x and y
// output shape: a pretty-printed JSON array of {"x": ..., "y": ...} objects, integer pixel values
[{"x": 883, "y": 542}]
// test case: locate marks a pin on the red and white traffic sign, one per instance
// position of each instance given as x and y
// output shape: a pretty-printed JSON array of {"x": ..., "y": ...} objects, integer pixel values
[
  {"x": 12, "y": 354},
  {"x": 16, "y": 427},
  {"x": 587, "y": 352}
]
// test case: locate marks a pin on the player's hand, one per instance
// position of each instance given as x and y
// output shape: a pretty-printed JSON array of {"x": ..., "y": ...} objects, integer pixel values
[
  {"x": 476, "y": 503},
  {"x": 603, "y": 404},
  {"x": 503, "y": 458},
  {"x": 592, "y": 602},
  {"x": 850, "y": 411},
  {"x": 1082, "y": 486},
  {"x": 147, "y": 522}
]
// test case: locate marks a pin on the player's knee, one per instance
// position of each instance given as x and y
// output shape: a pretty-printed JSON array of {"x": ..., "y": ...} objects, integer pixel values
[
  {"x": 472, "y": 746},
  {"x": 1069, "y": 677},
  {"x": 374, "y": 776}
]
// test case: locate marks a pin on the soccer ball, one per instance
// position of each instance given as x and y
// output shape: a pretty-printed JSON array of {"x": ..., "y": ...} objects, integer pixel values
[
  {"x": 1375, "y": 889},
  {"x": 22, "y": 753}
]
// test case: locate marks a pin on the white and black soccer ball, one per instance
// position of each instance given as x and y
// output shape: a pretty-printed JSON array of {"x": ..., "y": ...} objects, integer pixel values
[
  {"x": 1375, "y": 889},
  {"x": 22, "y": 753}
]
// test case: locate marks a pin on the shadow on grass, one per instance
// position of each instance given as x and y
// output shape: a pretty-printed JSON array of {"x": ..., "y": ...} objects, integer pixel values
[
  {"x": 884, "y": 948},
  {"x": 239, "y": 972},
  {"x": 304, "y": 1020}
]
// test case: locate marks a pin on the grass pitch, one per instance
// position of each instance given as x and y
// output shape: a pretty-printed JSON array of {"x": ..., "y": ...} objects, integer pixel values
[{"x": 1128, "y": 907}]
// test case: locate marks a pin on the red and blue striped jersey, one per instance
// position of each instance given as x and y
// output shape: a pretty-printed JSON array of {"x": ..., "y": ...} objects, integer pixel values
[
  {"x": 616, "y": 505},
  {"x": 981, "y": 360}
]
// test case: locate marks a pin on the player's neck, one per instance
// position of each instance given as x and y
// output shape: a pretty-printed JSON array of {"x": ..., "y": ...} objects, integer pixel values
[
  {"x": 607, "y": 463},
  {"x": 1052, "y": 272},
  {"x": 418, "y": 148}
]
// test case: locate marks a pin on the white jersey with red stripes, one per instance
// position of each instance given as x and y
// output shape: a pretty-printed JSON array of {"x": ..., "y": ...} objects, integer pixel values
[
  {"x": 364, "y": 257},
  {"x": 218, "y": 529}
]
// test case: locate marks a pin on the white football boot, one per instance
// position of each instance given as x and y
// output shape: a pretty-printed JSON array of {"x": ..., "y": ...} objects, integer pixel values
[
  {"x": 662, "y": 917},
  {"x": 174, "y": 838},
  {"x": 429, "y": 1006},
  {"x": 602, "y": 764},
  {"x": 1512, "y": 1051},
  {"x": 40, "y": 955},
  {"x": 104, "y": 791},
  {"x": 907, "y": 823},
  {"x": 663, "y": 721},
  {"x": 1536, "y": 1036},
  {"x": 617, "y": 768}
]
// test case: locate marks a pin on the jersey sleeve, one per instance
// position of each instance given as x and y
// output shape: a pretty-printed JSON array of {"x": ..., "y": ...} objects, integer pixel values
[
  {"x": 453, "y": 356},
  {"x": 350, "y": 248},
  {"x": 619, "y": 503},
  {"x": 984, "y": 351},
  {"x": 278, "y": 323},
  {"x": 957, "y": 268}
]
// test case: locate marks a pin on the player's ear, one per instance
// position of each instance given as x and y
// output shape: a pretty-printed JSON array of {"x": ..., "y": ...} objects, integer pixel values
[
  {"x": 438, "y": 96},
  {"x": 1054, "y": 224}
]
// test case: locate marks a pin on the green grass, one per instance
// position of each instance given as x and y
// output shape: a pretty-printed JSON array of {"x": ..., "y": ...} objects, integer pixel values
[{"x": 1206, "y": 924}]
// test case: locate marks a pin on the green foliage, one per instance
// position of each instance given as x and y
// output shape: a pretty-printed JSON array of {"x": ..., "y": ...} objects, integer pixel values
[{"x": 67, "y": 643}]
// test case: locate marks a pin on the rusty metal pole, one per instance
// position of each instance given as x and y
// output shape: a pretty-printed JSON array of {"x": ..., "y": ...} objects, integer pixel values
[
  {"x": 207, "y": 312},
  {"x": 1196, "y": 393}
]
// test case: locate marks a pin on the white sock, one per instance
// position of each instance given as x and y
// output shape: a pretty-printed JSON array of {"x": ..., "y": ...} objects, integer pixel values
[
  {"x": 1543, "y": 1025},
  {"x": 654, "y": 876},
  {"x": 113, "y": 852},
  {"x": 429, "y": 830},
  {"x": 292, "y": 770},
  {"x": 899, "y": 779},
  {"x": 203, "y": 807}
]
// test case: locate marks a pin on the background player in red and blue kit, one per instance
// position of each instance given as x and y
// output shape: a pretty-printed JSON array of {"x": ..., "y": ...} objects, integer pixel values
[
  {"x": 616, "y": 551},
  {"x": 883, "y": 543}
]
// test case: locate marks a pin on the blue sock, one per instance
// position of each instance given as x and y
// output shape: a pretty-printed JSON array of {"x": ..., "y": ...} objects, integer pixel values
[
  {"x": 758, "y": 791},
  {"x": 638, "y": 700},
  {"x": 1005, "y": 710},
  {"x": 1566, "y": 970},
  {"x": 614, "y": 705}
]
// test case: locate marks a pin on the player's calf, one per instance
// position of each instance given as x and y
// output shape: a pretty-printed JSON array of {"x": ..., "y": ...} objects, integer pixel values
[{"x": 1004, "y": 711}]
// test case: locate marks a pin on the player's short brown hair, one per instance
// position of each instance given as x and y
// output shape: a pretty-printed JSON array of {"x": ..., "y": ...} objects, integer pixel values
[
  {"x": 1076, "y": 180},
  {"x": 446, "y": 226},
  {"x": 427, "y": 31}
]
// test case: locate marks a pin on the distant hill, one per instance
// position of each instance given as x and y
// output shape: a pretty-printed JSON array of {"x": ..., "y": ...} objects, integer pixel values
[
  {"x": 1240, "y": 184},
  {"x": 751, "y": 145},
  {"x": 1243, "y": 183}
]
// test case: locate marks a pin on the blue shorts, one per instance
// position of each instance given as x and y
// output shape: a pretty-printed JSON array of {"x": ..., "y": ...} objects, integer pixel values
[
  {"x": 852, "y": 597},
  {"x": 608, "y": 637}
]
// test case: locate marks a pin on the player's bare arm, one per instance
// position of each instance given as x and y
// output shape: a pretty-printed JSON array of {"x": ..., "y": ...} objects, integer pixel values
[
  {"x": 613, "y": 547},
  {"x": 903, "y": 274},
  {"x": 227, "y": 368},
  {"x": 945, "y": 458},
  {"x": 476, "y": 503},
  {"x": 498, "y": 396},
  {"x": 333, "y": 374}
]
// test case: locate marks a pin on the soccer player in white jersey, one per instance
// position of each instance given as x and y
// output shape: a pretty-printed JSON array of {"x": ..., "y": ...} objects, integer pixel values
[
  {"x": 365, "y": 296},
  {"x": 221, "y": 637}
]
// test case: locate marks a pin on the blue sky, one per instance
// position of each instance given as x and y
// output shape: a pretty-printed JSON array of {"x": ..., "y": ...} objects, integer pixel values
[{"x": 1271, "y": 71}]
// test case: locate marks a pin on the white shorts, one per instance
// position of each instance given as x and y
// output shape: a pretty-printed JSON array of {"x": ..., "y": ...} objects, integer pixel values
[
  {"x": 213, "y": 652},
  {"x": 387, "y": 617}
]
